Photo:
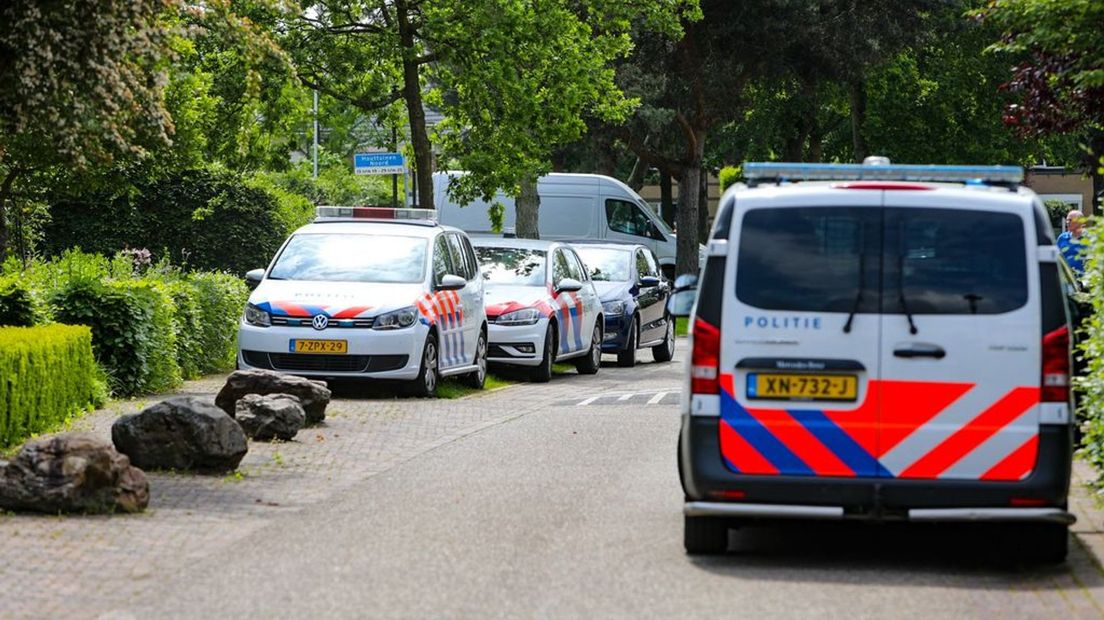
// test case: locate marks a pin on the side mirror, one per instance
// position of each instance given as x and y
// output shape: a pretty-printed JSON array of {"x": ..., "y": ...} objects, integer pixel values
[
  {"x": 568, "y": 285},
  {"x": 451, "y": 283},
  {"x": 686, "y": 282},
  {"x": 682, "y": 302},
  {"x": 649, "y": 282},
  {"x": 253, "y": 277}
]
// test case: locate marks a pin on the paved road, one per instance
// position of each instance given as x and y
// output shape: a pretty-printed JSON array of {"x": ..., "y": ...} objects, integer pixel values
[{"x": 573, "y": 510}]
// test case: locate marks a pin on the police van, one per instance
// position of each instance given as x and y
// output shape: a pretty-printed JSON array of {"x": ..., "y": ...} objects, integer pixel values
[{"x": 879, "y": 342}]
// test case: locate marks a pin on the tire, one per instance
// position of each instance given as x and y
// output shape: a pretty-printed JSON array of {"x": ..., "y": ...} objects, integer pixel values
[
  {"x": 705, "y": 535},
  {"x": 626, "y": 358},
  {"x": 429, "y": 377},
  {"x": 666, "y": 352},
  {"x": 1046, "y": 543},
  {"x": 592, "y": 361},
  {"x": 478, "y": 378},
  {"x": 543, "y": 373}
]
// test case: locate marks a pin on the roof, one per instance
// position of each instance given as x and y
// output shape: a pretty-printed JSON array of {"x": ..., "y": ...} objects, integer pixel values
[
  {"x": 606, "y": 245},
  {"x": 952, "y": 193},
  {"x": 398, "y": 228}
]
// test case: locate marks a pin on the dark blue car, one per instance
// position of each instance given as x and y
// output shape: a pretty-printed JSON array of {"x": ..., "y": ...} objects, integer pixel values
[{"x": 634, "y": 300}]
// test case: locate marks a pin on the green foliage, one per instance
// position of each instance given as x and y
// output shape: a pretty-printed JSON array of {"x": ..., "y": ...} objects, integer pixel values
[
  {"x": 49, "y": 376},
  {"x": 220, "y": 298},
  {"x": 17, "y": 306},
  {"x": 729, "y": 175},
  {"x": 1056, "y": 213},
  {"x": 1091, "y": 385}
]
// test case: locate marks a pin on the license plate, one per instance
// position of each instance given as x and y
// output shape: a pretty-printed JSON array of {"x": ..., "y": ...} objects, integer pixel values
[
  {"x": 771, "y": 386},
  {"x": 339, "y": 347}
]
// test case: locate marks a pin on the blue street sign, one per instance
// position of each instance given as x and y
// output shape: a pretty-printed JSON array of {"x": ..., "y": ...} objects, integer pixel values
[{"x": 379, "y": 163}]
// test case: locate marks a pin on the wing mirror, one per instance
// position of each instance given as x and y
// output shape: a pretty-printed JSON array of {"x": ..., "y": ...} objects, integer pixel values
[
  {"x": 253, "y": 277},
  {"x": 649, "y": 282},
  {"x": 681, "y": 302},
  {"x": 568, "y": 285},
  {"x": 451, "y": 282}
]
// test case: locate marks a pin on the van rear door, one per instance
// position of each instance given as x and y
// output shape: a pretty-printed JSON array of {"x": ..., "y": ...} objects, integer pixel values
[
  {"x": 961, "y": 339},
  {"x": 800, "y": 343}
]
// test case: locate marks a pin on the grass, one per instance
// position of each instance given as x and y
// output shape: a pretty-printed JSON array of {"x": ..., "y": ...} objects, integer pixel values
[
  {"x": 563, "y": 369},
  {"x": 453, "y": 388},
  {"x": 682, "y": 326}
]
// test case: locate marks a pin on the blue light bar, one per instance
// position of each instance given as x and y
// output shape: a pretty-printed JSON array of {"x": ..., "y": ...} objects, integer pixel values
[
  {"x": 771, "y": 171},
  {"x": 328, "y": 213}
]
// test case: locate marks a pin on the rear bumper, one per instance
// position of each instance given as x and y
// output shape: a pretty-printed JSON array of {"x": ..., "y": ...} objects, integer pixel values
[{"x": 709, "y": 485}]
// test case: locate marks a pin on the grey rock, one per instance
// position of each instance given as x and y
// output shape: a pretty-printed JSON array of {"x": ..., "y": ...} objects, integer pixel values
[
  {"x": 183, "y": 432},
  {"x": 72, "y": 472},
  {"x": 313, "y": 395},
  {"x": 275, "y": 416}
]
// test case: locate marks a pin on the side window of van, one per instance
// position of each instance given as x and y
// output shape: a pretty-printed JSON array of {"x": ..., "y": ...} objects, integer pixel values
[
  {"x": 627, "y": 217},
  {"x": 456, "y": 251},
  {"x": 442, "y": 260}
]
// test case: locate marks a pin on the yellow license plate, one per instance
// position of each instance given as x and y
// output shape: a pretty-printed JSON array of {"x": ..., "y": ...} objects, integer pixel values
[
  {"x": 772, "y": 386},
  {"x": 338, "y": 347}
]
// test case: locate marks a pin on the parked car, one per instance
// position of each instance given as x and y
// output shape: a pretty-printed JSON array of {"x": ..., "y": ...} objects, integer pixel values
[
  {"x": 879, "y": 342},
  {"x": 542, "y": 307},
  {"x": 573, "y": 206},
  {"x": 634, "y": 300},
  {"x": 359, "y": 294}
]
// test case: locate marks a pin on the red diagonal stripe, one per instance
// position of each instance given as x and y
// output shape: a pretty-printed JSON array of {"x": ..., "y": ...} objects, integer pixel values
[
  {"x": 349, "y": 313},
  {"x": 970, "y": 436},
  {"x": 741, "y": 454},
  {"x": 801, "y": 442},
  {"x": 292, "y": 309},
  {"x": 1015, "y": 466}
]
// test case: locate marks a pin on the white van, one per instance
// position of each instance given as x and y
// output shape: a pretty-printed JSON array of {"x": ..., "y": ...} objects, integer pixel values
[{"x": 573, "y": 206}]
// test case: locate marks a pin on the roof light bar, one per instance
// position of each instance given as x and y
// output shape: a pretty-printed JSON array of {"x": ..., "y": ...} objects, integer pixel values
[
  {"x": 374, "y": 213},
  {"x": 758, "y": 172}
]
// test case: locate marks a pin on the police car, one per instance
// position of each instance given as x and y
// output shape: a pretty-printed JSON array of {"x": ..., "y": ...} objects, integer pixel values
[
  {"x": 541, "y": 306},
  {"x": 879, "y": 342},
  {"x": 367, "y": 293}
]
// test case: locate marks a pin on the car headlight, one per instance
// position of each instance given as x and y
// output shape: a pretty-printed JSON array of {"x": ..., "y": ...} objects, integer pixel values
[
  {"x": 525, "y": 316},
  {"x": 256, "y": 316},
  {"x": 613, "y": 308},
  {"x": 398, "y": 319}
]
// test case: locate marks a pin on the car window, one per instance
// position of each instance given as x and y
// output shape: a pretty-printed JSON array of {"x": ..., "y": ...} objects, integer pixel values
[
  {"x": 954, "y": 261},
  {"x": 560, "y": 268},
  {"x": 606, "y": 264},
  {"x": 575, "y": 267},
  {"x": 641, "y": 264},
  {"x": 442, "y": 260},
  {"x": 456, "y": 251},
  {"x": 469, "y": 258},
  {"x": 809, "y": 258},
  {"x": 653, "y": 266},
  {"x": 351, "y": 258},
  {"x": 627, "y": 217},
  {"x": 512, "y": 265}
]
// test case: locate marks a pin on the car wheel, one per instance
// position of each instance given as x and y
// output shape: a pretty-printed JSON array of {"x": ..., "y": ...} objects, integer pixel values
[
  {"x": 543, "y": 373},
  {"x": 626, "y": 358},
  {"x": 705, "y": 535},
  {"x": 665, "y": 352},
  {"x": 426, "y": 384},
  {"x": 478, "y": 378},
  {"x": 592, "y": 361}
]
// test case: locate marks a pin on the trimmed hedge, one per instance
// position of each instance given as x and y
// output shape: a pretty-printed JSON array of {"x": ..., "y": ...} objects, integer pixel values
[{"x": 49, "y": 375}]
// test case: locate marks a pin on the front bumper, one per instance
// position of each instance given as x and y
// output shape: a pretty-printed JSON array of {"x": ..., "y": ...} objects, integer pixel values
[
  {"x": 520, "y": 345},
  {"x": 616, "y": 333},
  {"x": 711, "y": 488},
  {"x": 372, "y": 354}
]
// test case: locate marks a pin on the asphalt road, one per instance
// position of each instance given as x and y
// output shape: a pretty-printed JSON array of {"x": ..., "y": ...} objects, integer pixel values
[{"x": 575, "y": 511}]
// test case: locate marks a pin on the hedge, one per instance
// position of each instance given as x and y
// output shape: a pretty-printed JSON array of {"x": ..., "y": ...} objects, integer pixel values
[
  {"x": 17, "y": 307},
  {"x": 49, "y": 375},
  {"x": 1090, "y": 386}
]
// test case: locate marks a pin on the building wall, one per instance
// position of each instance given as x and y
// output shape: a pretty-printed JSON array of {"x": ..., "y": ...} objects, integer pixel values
[{"x": 1071, "y": 187}]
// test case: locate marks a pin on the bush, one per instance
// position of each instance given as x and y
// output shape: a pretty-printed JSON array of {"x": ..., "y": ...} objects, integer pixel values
[
  {"x": 49, "y": 376},
  {"x": 17, "y": 307},
  {"x": 730, "y": 175},
  {"x": 1091, "y": 385},
  {"x": 220, "y": 298}
]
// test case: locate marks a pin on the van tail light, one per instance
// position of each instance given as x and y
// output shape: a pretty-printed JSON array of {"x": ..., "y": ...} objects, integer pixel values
[
  {"x": 705, "y": 359},
  {"x": 1056, "y": 366}
]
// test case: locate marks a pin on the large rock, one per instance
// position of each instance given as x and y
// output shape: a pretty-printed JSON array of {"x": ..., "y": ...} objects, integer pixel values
[
  {"x": 72, "y": 472},
  {"x": 275, "y": 416},
  {"x": 183, "y": 432},
  {"x": 313, "y": 395}
]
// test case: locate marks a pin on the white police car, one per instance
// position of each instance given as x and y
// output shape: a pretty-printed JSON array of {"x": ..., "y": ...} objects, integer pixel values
[
  {"x": 368, "y": 293},
  {"x": 880, "y": 343},
  {"x": 541, "y": 305}
]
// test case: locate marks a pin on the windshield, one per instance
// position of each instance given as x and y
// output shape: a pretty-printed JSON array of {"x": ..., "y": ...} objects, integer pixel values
[
  {"x": 352, "y": 258},
  {"x": 512, "y": 266},
  {"x": 606, "y": 265}
]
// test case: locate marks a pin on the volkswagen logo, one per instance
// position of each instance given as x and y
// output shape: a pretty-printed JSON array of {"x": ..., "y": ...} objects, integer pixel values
[{"x": 320, "y": 321}]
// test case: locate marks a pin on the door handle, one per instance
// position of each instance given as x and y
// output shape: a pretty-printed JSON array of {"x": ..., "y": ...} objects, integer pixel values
[{"x": 920, "y": 350}]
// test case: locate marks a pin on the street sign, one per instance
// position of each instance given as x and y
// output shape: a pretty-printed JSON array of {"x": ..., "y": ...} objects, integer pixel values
[{"x": 379, "y": 163}]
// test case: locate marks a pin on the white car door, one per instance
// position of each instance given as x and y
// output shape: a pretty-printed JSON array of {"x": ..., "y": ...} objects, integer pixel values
[{"x": 591, "y": 303}]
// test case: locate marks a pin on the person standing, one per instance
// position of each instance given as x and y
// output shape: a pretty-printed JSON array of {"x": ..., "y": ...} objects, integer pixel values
[{"x": 1069, "y": 242}]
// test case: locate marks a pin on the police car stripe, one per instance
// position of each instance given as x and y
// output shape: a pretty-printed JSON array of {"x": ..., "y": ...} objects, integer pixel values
[
  {"x": 1017, "y": 465},
  {"x": 802, "y": 442},
  {"x": 779, "y": 455},
  {"x": 994, "y": 449},
  {"x": 840, "y": 443},
  {"x": 740, "y": 456}
]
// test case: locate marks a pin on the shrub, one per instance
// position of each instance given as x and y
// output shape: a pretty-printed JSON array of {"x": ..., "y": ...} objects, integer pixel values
[
  {"x": 220, "y": 298},
  {"x": 729, "y": 175},
  {"x": 17, "y": 307},
  {"x": 49, "y": 376},
  {"x": 1091, "y": 385}
]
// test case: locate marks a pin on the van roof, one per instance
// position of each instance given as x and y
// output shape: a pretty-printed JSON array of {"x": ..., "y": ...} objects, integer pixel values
[{"x": 949, "y": 193}]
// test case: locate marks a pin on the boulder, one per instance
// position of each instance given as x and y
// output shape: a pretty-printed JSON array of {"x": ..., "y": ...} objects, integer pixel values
[
  {"x": 183, "y": 432},
  {"x": 275, "y": 416},
  {"x": 72, "y": 472},
  {"x": 313, "y": 395}
]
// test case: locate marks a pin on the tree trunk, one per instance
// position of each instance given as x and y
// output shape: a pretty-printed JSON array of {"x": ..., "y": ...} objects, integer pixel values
[
  {"x": 666, "y": 199},
  {"x": 412, "y": 95},
  {"x": 858, "y": 120},
  {"x": 527, "y": 209},
  {"x": 686, "y": 252},
  {"x": 703, "y": 206},
  {"x": 5, "y": 194}
]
